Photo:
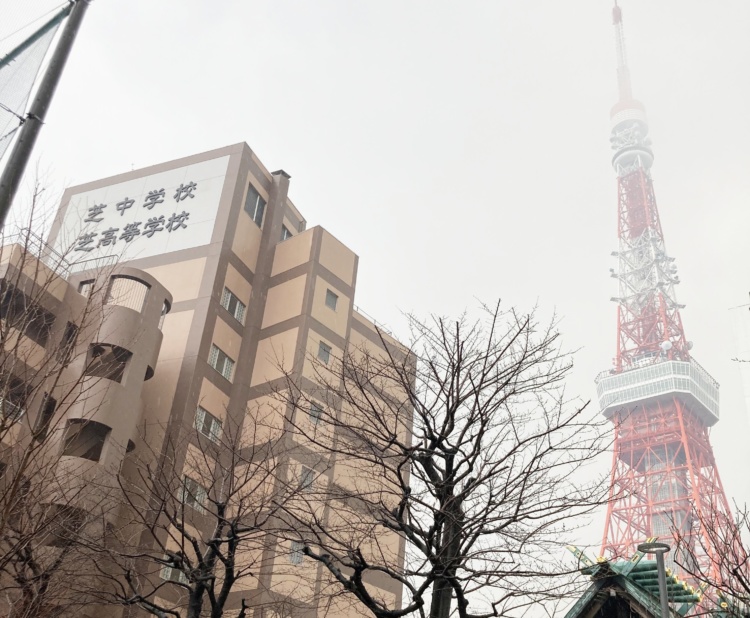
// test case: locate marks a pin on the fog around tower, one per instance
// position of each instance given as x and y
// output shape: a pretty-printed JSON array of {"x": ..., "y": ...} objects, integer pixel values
[{"x": 460, "y": 148}]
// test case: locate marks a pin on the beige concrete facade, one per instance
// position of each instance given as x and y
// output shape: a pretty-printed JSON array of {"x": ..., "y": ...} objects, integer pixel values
[{"x": 296, "y": 289}]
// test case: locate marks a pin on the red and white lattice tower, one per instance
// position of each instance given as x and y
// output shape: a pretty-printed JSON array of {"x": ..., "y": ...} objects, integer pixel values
[{"x": 662, "y": 403}]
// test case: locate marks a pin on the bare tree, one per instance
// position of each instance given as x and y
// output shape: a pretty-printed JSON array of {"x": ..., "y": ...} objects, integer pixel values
[
  {"x": 464, "y": 451},
  {"x": 717, "y": 561},
  {"x": 47, "y": 376},
  {"x": 201, "y": 523},
  {"x": 38, "y": 512}
]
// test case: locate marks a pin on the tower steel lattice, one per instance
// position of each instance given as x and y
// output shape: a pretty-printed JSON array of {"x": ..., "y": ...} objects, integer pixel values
[{"x": 662, "y": 402}]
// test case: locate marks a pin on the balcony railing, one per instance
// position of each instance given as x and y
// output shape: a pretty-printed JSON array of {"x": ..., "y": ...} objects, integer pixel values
[
  {"x": 616, "y": 390},
  {"x": 62, "y": 265}
]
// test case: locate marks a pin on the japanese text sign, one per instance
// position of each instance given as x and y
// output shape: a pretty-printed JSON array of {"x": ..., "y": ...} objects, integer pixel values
[{"x": 150, "y": 215}]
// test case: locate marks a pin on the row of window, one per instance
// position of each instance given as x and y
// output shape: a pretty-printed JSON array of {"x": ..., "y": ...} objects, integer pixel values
[
  {"x": 124, "y": 291},
  {"x": 211, "y": 426},
  {"x": 219, "y": 360},
  {"x": 255, "y": 206},
  {"x": 21, "y": 313},
  {"x": 325, "y": 350},
  {"x": 174, "y": 574},
  {"x": 103, "y": 360},
  {"x": 237, "y": 308},
  {"x": 36, "y": 324},
  {"x": 82, "y": 438},
  {"x": 194, "y": 495}
]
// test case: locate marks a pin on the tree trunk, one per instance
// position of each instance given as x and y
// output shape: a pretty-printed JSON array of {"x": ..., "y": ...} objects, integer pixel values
[{"x": 442, "y": 591}]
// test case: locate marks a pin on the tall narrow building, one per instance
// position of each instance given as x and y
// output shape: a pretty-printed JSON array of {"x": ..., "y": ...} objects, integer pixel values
[{"x": 664, "y": 479}]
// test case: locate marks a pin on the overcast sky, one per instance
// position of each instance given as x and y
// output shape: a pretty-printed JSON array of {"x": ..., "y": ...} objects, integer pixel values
[{"x": 459, "y": 148}]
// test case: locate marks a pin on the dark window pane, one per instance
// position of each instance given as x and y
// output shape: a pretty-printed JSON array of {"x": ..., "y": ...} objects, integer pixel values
[
  {"x": 45, "y": 417},
  {"x": 107, "y": 361},
  {"x": 85, "y": 439},
  {"x": 68, "y": 342},
  {"x": 324, "y": 352},
  {"x": 331, "y": 299},
  {"x": 255, "y": 205}
]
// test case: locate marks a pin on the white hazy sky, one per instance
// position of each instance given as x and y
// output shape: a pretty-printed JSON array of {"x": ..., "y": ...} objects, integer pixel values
[{"x": 460, "y": 148}]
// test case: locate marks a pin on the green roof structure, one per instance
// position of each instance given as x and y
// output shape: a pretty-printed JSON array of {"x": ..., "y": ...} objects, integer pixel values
[{"x": 625, "y": 588}]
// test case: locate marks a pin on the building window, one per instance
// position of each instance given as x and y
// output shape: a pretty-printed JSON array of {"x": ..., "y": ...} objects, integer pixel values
[
  {"x": 63, "y": 519},
  {"x": 296, "y": 553},
  {"x": 316, "y": 413},
  {"x": 193, "y": 494},
  {"x": 38, "y": 324},
  {"x": 233, "y": 304},
  {"x": 331, "y": 299},
  {"x": 13, "y": 399},
  {"x": 255, "y": 205},
  {"x": 47, "y": 411},
  {"x": 107, "y": 361},
  {"x": 208, "y": 424},
  {"x": 324, "y": 352},
  {"x": 221, "y": 362},
  {"x": 68, "y": 342},
  {"x": 306, "y": 479},
  {"x": 172, "y": 574},
  {"x": 285, "y": 233},
  {"x": 165, "y": 308},
  {"x": 10, "y": 411},
  {"x": 21, "y": 313},
  {"x": 127, "y": 292},
  {"x": 86, "y": 287},
  {"x": 85, "y": 439}
]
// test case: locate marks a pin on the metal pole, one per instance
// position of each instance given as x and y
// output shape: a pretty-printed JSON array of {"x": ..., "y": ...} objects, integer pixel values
[
  {"x": 662, "y": 583},
  {"x": 659, "y": 549},
  {"x": 21, "y": 151}
]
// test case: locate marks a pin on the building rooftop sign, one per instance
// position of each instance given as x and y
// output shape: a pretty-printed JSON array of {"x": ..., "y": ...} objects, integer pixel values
[{"x": 146, "y": 216}]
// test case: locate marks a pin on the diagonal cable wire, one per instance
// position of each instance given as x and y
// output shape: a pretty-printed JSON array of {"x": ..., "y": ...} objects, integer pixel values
[{"x": 31, "y": 23}]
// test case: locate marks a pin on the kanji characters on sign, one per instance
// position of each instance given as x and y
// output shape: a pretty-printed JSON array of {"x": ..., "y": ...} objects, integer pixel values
[
  {"x": 185, "y": 191},
  {"x": 128, "y": 232},
  {"x": 153, "y": 198},
  {"x": 84, "y": 240},
  {"x": 131, "y": 231},
  {"x": 109, "y": 237},
  {"x": 124, "y": 205},
  {"x": 153, "y": 225},
  {"x": 94, "y": 212},
  {"x": 176, "y": 221}
]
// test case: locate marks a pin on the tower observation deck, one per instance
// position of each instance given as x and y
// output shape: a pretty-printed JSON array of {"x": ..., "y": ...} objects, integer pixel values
[{"x": 664, "y": 480}]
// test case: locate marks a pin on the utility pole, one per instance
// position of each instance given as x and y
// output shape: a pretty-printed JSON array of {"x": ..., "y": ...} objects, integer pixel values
[{"x": 21, "y": 151}]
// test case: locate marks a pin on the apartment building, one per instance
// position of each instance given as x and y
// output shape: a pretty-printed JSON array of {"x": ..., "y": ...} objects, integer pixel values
[{"x": 195, "y": 292}]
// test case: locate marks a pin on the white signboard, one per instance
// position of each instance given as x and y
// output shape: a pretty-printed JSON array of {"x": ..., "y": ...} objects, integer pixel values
[{"x": 146, "y": 216}]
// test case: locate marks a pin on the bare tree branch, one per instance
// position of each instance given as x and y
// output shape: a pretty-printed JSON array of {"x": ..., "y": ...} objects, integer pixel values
[{"x": 465, "y": 451}]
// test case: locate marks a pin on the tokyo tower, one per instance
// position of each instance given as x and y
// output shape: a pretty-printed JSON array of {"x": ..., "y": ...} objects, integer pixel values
[{"x": 662, "y": 403}]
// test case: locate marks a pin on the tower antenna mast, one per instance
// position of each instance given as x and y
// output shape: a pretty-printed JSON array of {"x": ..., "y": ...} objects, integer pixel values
[{"x": 664, "y": 480}]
